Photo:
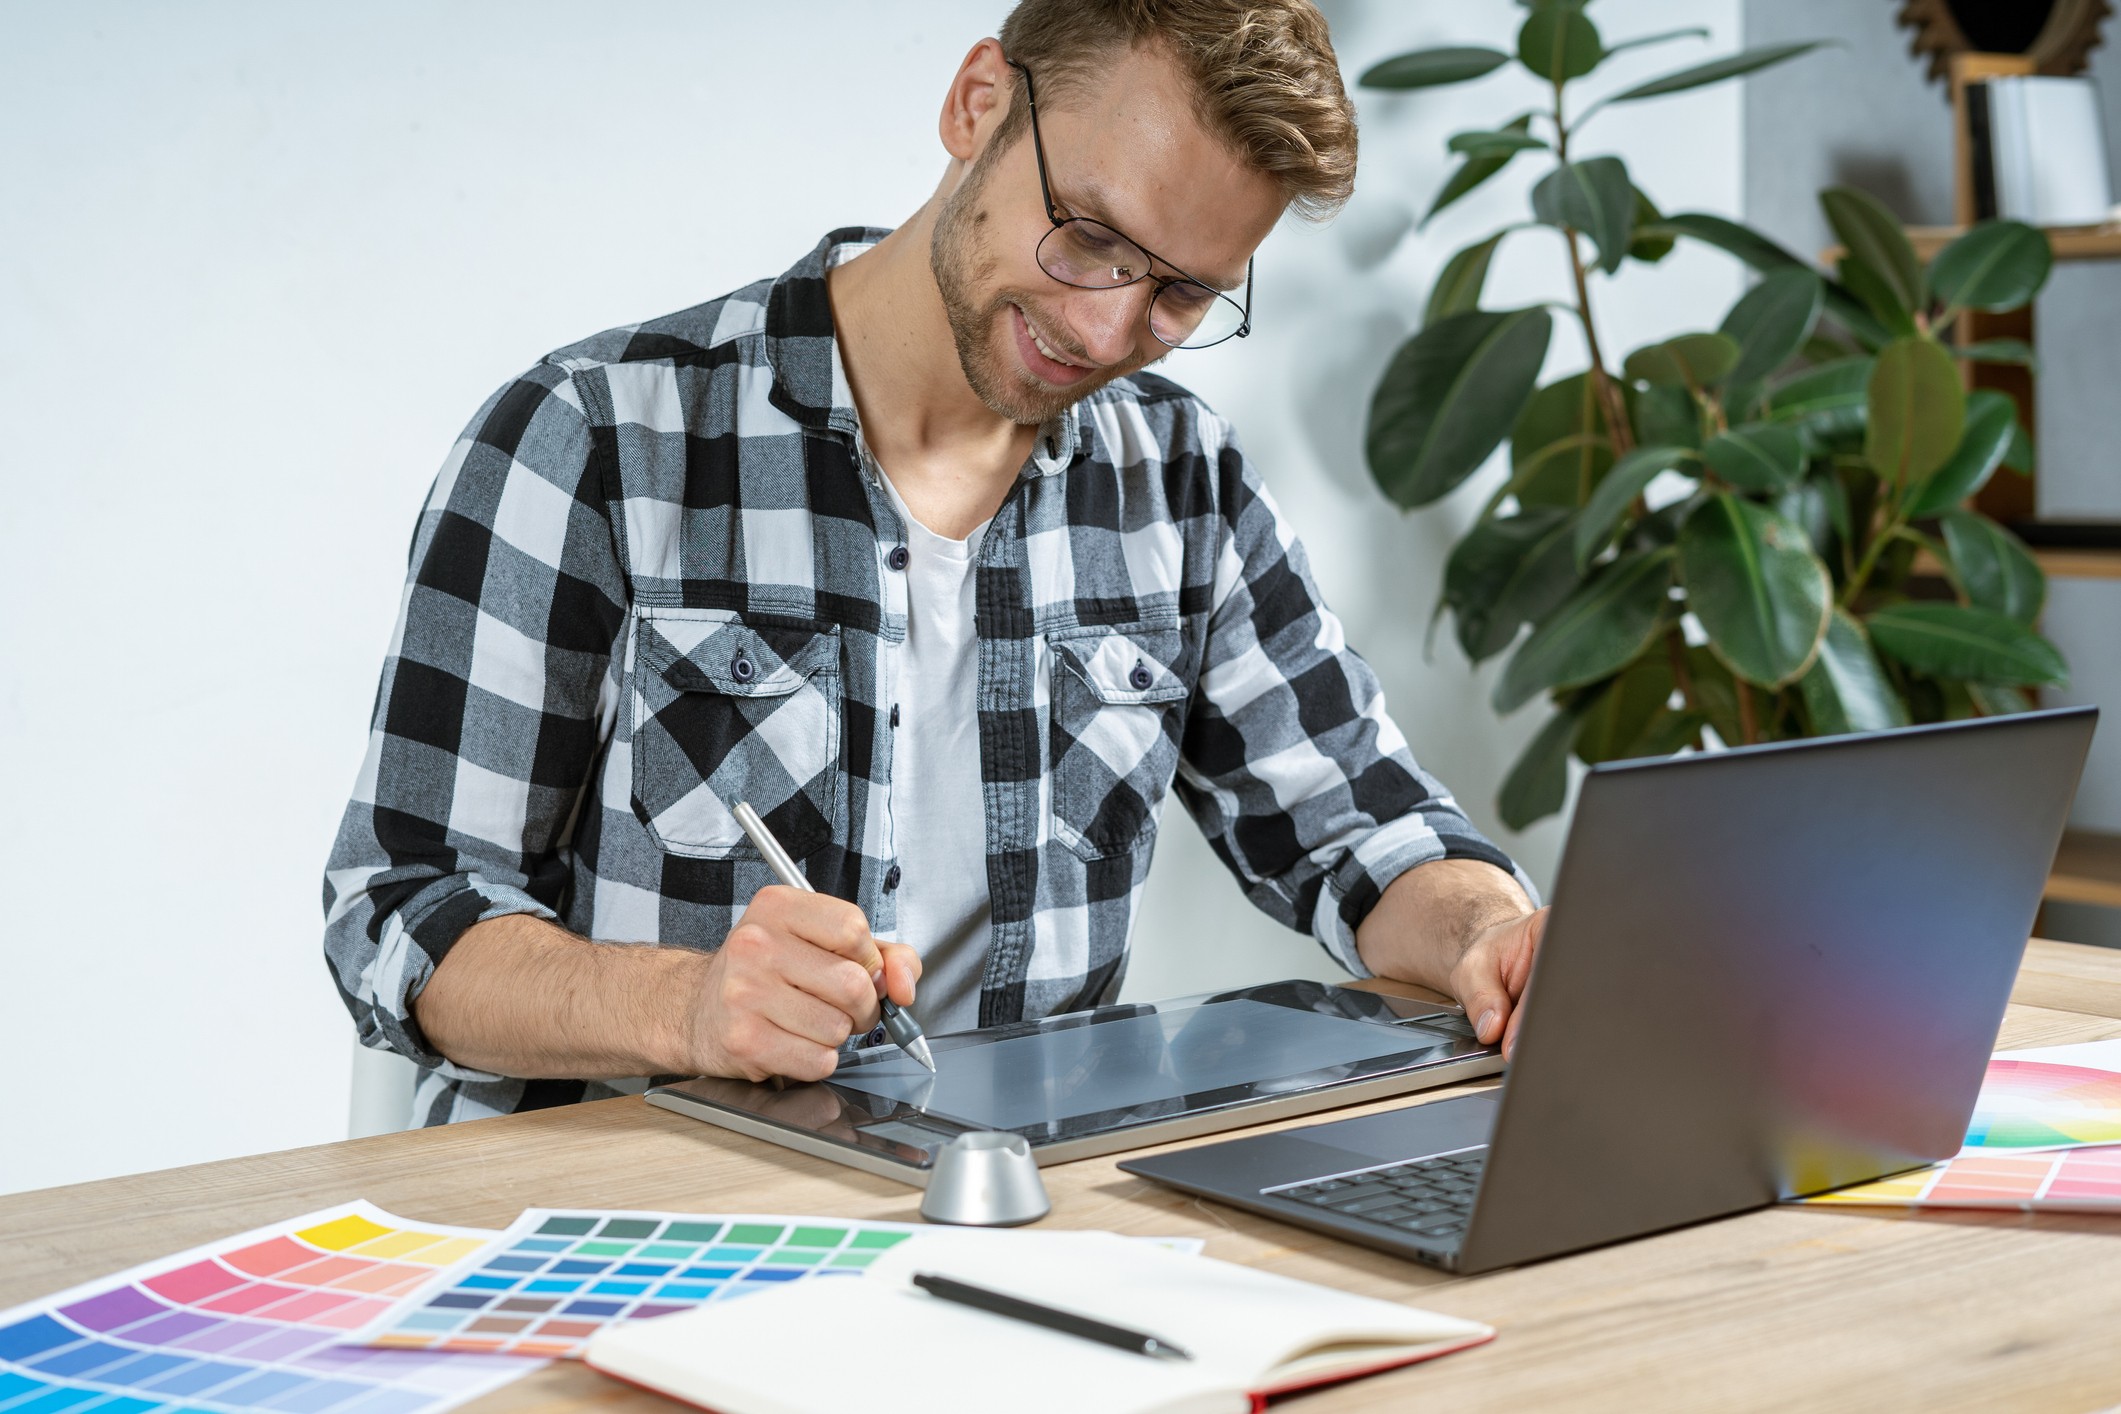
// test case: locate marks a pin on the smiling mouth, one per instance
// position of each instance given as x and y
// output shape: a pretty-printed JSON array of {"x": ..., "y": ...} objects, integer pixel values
[{"x": 1040, "y": 358}]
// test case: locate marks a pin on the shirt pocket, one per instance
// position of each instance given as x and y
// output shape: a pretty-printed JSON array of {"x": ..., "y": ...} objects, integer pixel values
[
  {"x": 1117, "y": 713},
  {"x": 727, "y": 711}
]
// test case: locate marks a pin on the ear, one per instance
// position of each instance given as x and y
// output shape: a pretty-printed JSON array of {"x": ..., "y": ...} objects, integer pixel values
[{"x": 977, "y": 100}]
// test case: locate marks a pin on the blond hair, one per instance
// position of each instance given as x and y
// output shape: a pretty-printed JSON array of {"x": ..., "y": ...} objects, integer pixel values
[{"x": 1263, "y": 73}]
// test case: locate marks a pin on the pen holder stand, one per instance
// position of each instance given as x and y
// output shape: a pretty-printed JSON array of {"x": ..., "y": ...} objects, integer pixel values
[{"x": 985, "y": 1180}]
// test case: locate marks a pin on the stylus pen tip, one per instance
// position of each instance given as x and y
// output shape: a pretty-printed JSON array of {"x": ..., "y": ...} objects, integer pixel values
[{"x": 918, "y": 1049}]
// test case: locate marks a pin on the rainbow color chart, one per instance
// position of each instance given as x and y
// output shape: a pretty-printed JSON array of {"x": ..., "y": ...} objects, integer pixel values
[
  {"x": 248, "y": 1324},
  {"x": 2036, "y": 1104},
  {"x": 2067, "y": 1180},
  {"x": 2045, "y": 1136},
  {"x": 558, "y": 1276}
]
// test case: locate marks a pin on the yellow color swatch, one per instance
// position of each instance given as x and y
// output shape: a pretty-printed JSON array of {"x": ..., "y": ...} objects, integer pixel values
[{"x": 341, "y": 1233}]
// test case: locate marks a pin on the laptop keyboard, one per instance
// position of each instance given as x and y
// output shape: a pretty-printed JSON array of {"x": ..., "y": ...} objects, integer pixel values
[{"x": 1428, "y": 1198}]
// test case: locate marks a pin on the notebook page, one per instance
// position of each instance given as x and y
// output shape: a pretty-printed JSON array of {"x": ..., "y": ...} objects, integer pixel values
[{"x": 1243, "y": 1324}]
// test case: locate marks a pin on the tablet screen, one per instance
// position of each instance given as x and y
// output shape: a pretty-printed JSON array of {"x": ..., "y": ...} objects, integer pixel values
[{"x": 1147, "y": 1063}]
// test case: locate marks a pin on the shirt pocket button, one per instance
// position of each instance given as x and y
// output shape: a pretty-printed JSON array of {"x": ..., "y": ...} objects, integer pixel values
[
  {"x": 742, "y": 670},
  {"x": 1141, "y": 677}
]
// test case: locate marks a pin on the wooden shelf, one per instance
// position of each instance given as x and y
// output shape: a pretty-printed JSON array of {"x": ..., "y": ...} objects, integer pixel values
[
  {"x": 2069, "y": 242},
  {"x": 2087, "y": 869},
  {"x": 2055, "y": 564}
]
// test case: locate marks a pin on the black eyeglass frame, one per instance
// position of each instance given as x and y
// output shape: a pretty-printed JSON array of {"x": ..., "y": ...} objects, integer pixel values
[{"x": 1162, "y": 282}]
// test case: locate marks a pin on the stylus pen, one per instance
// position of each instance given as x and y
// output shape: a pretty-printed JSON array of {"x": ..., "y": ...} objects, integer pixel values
[
  {"x": 899, "y": 1025},
  {"x": 1001, "y": 1304}
]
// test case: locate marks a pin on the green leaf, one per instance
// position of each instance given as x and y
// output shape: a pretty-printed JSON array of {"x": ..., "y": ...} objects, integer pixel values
[
  {"x": 1425, "y": 68},
  {"x": 1488, "y": 141},
  {"x": 1991, "y": 421},
  {"x": 1995, "y": 568},
  {"x": 1610, "y": 501},
  {"x": 1594, "y": 197},
  {"x": 1997, "y": 265},
  {"x": 1846, "y": 691},
  {"x": 1773, "y": 320},
  {"x": 1449, "y": 396},
  {"x": 1560, "y": 445},
  {"x": 1977, "y": 645},
  {"x": 1759, "y": 456},
  {"x": 1997, "y": 701},
  {"x": 1458, "y": 285},
  {"x": 1757, "y": 588},
  {"x": 1689, "y": 361},
  {"x": 1915, "y": 413},
  {"x": 1664, "y": 415},
  {"x": 1475, "y": 170},
  {"x": 1731, "y": 238},
  {"x": 1690, "y": 32},
  {"x": 1506, "y": 573},
  {"x": 1999, "y": 351},
  {"x": 1715, "y": 71},
  {"x": 1648, "y": 244},
  {"x": 1539, "y": 782},
  {"x": 1558, "y": 43},
  {"x": 1767, "y": 257},
  {"x": 1809, "y": 506},
  {"x": 1878, "y": 297},
  {"x": 1594, "y": 634},
  {"x": 1716, "y": 692},
  {"x": 2020, "y": 457},
  {"x": 1873, "y": 235},
  {"x": 1616, "y": 721},
  {"x": 1830, "y": 400}
]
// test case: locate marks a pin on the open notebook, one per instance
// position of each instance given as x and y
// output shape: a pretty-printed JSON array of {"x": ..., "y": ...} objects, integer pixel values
[{"x": 876, "y": 1343}]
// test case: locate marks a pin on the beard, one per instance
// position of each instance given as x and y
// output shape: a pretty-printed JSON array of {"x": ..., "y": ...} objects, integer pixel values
[{"x": 963, "y": 263}]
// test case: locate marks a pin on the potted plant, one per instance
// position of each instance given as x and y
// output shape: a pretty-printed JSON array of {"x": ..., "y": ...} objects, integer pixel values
[{"x": 1754, "y": 531}]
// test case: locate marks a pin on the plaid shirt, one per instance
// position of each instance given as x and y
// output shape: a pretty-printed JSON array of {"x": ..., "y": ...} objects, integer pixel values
[{"x": 656, "y": 576}]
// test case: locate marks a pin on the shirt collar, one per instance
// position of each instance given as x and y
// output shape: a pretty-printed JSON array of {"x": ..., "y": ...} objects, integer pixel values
[{"x": 809, "y": 379}]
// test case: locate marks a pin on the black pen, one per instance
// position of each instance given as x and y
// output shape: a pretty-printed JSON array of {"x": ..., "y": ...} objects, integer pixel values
[
  {"x": 966, "y": 1294},
  {"x": 898, "y": 1025}
]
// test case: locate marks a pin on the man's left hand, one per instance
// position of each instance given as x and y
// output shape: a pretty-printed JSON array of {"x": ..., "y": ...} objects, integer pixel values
[{"x": 1490, "y": 977}]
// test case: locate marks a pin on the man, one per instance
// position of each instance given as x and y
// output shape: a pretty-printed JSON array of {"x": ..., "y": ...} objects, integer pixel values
[{"x": 903, "y": 549}]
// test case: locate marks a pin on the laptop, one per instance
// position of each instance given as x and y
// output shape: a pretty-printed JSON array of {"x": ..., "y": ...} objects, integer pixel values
[{"x": 1770, "y": 971}]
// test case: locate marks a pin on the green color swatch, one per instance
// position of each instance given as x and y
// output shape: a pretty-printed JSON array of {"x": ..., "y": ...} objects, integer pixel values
[
  {"x": 628, "y": 1227},
  {"x": 568, "y": 1227},
  {"x": 760, "y": 1233},
  {"x": 877, "y": 1241},
  {"x": 692, "y": 1232},
  {"x": 818, "y": 1237}
]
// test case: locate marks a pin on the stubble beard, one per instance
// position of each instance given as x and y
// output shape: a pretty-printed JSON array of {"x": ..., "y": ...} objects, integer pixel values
[{"x": 962, "y": 263}]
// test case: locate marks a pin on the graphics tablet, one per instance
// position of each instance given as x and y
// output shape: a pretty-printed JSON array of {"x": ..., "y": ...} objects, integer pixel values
[{"x": 1096, "y": 1082}]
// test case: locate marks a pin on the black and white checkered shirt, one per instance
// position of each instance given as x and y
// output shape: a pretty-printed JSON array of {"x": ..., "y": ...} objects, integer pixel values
[{"x": 654, "y": 578}]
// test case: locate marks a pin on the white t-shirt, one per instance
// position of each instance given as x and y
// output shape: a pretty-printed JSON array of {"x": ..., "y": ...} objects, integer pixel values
[{"x": 938, "y": 812}]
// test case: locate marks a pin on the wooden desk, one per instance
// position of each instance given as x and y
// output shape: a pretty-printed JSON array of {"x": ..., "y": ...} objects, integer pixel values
[{"x": 1783, "y": 1308}]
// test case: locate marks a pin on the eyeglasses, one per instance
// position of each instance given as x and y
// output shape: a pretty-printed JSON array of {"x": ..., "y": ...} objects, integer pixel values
[{"x": 1184, "y": 313}]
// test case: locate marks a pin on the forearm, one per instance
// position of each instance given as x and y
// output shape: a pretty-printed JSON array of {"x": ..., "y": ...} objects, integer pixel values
[
  {"x": 522, "y": 996},
  {"x": 1427, "y": 917}
]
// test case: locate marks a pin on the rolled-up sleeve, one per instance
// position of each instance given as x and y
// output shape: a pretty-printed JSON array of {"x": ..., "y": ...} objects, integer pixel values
[
  {"x": 495, "y": 698},
  {"x": 1302, "y": 783}
]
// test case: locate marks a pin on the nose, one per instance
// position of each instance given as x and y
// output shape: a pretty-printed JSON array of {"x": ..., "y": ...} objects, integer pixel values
[{"x": 1110, "y": 324}]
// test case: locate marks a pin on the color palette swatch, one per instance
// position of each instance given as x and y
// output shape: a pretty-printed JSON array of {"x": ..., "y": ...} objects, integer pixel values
[
  {"x": 248, "y": 1324},
  {"x": 2052, "y": 1098},
  {"x": 2065, "y": 1180},
  {"x": 557, "y": 1276}
]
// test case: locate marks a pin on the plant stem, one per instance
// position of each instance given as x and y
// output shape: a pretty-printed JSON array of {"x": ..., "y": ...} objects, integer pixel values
[
  {"x": 1748, "y": 725},
  {"x": 1608, "y": 392}
]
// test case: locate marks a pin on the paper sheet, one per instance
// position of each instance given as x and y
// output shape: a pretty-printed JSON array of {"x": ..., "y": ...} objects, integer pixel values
[{"x": 248, "y": 1324}]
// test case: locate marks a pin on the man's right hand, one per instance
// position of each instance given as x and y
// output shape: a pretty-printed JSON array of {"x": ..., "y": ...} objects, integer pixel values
[{"x": 797, "y": 976}]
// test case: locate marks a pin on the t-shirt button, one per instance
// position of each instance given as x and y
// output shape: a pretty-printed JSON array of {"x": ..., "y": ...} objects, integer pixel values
[
  {"x": 741, "y": 669},
  {"x": 894, "y": 714},
  {"x": 891, "y": 878},
  {"x": 898, "y": 557},
  {"x": 1141, "y": 677}
]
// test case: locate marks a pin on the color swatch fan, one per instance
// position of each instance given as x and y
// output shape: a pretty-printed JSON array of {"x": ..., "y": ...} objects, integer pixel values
[{"x": 250, "y": 1323}]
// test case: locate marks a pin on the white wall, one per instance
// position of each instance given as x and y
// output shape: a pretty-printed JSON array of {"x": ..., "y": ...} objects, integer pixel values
[{"x": 262, "y": 262}]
